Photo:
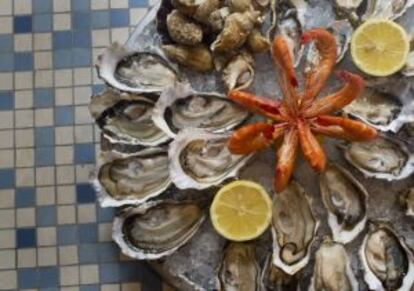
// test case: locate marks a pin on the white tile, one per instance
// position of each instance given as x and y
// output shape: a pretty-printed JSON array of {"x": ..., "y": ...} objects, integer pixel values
[
  {"x": 136, "y": 15},
  {"x": 6, "y": 119},
  {"x": 8, "y": 279},
  {"x": 63, "y": 155},
  {"x": 83, "y": 133},
  {"x": 87, "y": 213},
  {"x": 66, "y": 194},
  {"x": 7, "y": 239},
  {"x": 44, "y": 117},
  {"x": 63, "y": 96},
  {"x": 6, "y": 7},
  {"x": 66, "y": 214},
  {"x": 65, "y": 175},
  {"x": 6, "y": 159},
  {"x": 45, "y": 176},
  {"x": 64, "y": 135},
  {"x": 6, "y": 139},
  {"x": 100, "y": 38},
  {"x": 43, "y": 60},
  {"x": 89, "y": 274},
  {"x": 63, "y": 78},
  {"x": 99, "y": 4},
  {"x": 61, "y": 5},
  {"x": 82, "y": 95},
  {"x": 45, "y": 196},
  {"x": 23, "y": 99},
  {"x": 46, "y": 236},
  {"x": 24, "y": 137},
  {"x": 7, "y": 198},
  {"x": 25, "y": 217},
  {"x": 44, "y": 78},
  {"x": 133, "y": 287},
  {"x": 24, "y": 177},
  {"x": 82, "y": 115},
  {"x": 62, "y": 21},
  {"x": 68, "y": 255},
  {"x": 6, "y": 24},
  {"x": 82, "y": 76},
  {"x": 83, "y": 173},
  {"x": 23, "y": 80},
  {"x": 110, "y": 287},
  {"x": 42, "y": 41},
  {"x": 23, "y": 42},
  {"x": 24, "y": 118},
  {"x": 69, "y": 275},
  {"x": 120, "y": 35},
  {"x": 7, "y": 218},
  {"x": 70, "y": 289},
  {"x": 105, "y": 232},
  {"x": 47, "y": 256},
  {"x": 26, "y": 258},
  {"x": 22, "y": 7},
  {"x": 118, "y": 4},
  {"x": 25, "y": 157}
]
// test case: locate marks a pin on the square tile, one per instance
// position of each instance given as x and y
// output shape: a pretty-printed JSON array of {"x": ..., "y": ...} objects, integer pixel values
[
  {"x": 23, "y": 42},
  {"x": 6, "y": 24},
  {"x": 25, "y": 177},
  {"x": 23, "y": 99},
  {"x": 64, "y": 115},
  {"x": 81, "y": 57},
  {"x": 49, "y": 277},
  {"x": 82, "y": 115},
  {"x": 26, "y": 237},
  {"x": 6, "y": 118},
  {"x": 87, "y": 213},
  {"x": 64, "y": 155},
  {"x": 65, "y": 174},
  {"x": 66, "y": 214},
  {"x": 61, "y": 5},
  {"x": 43, "y": 98},
  {"x": 62, "y": 39},
  {"x": 44, "y": 136},
  {"x": 110, "y": 287},
  {"x": 6, "y": 79},
  {"x": 42, "y": 41},
  {"x": 47, "y": 256},
  {"x": 108, "y": 252},
  {"x": 81, "y": 20},
  {"x": 28, "y": 278},
  {"x": 25, "y": 217},
  {"x": 42, "y": 6},
  {"x": 118, "y": 4},
  {"x": 88, "y": 233},
  {"x": 45, "y": 176},
  {"x": 24, "y": 118},
  {"x": 23, "y": 80},
  {"x": 68, "y": 255},
  {"x": 119, "y": 17},
  {"x": 62, "y": 21},
  {"x": 42, "y": 22},
  {"x": 67, "y": 234},
  {"x": 63, "y": 78},
  {"x": 6, "y": 159},
  {"x": 82, "y": 76},
  {"x": 46, "y": 215},
  {"x": 43, "y": 60},
  {"x": 138, "y": 3},
  {"x": 25, "y": 197},
  {"x": 88, "y": 253},
  {"x": 46, "y": 236},
  {"x": 45, "y": 195},
  {"x": 83, "y": 133},
  {"x": 109, "y": 272},
  {"x": 136, "y": 15},
  {"x": 6, "y": 7},
  {"x": 26, "y": 258},
  {"x": 7, "y": 239},
  {"x": 7, "y": 177},
  {"x": 6, "y": 100},
  {"x": 9, "y": 278},
  {"x": 22, "y": 24},
  {"x": 22, "y": 7},
  {"x": 64, "y": 135},
  {"x": 45, "y": 156},
  {"x": 83, "y": 173},
  {"x": 82, "y": 95},
  {"x": 7, "y": 198},
  {"x": 66, "y": 194},
  {"x": 80, "y": 5},
  {"x": 6, "y": 42},
  {"x": 7, "y": 219},
  {"x": 7, "y": 259},
  {"x": 69, "y": 275},
  {"x": 105, "y": 232},
  {"x": 25, "y": 157},
  {"x": 23, "y": 61},
  {"x": 84, "y": 153},
  {"x": 63, "y": 96},
  {"x": 6, "y": 139},
  {"x": 6, "y": 62},
  {"x": 89, "y": 274},
  {"x": 43, "y": 78},
  {"x": 120, "y": 35},
  {"x": 100, "y": 37},
  {"x": 100, "y": 19},
  {"x": 134, "y": 287}
]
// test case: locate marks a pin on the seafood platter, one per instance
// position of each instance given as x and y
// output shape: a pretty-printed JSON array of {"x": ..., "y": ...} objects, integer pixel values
[{"x": 211, "y": 92}]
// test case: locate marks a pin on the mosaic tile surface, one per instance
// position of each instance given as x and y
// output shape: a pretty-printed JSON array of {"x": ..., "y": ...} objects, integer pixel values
[{"x": 53, "y": 235}]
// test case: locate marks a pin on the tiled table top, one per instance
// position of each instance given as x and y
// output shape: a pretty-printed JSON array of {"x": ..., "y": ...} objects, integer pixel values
[{"x": 53, "y": 235}]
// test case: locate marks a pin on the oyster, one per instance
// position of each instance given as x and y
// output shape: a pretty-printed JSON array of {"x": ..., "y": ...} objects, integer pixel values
[
  {"x": 138, "y": 72},
  {"x": 133, "y": 179},
  {"x": 239, "y": 72},
  {"x": 257, "y": 43},
  {"x": 348, "y": 4},
  {"x": 182, "y": 30},
  {"x": 275, "y": 279},
  {"x": 200, "y": 159},
  {"x": 240, "y": 5},
  {"x": 156, "y": 229},
  {"x": 293, "y": 228},
  {"x": 182, "y": 107},
  {"x": 388, "y": 9},
  {"x": 408, "y": 70},
  {"x": 200, "y": 10},
  {"x": 346, "y": 201},
  {"x": 105, "y": 100},
  {"x": 332, "y": 270},
  {"x": 217, "y": 18},
  {"x": 407, "y": 201},
  {"x": 381, "y": 158},
  {"x": 387, "y": 261},
  {"x": 198, "y": 57},
  {"x": 239, "y": 270}
]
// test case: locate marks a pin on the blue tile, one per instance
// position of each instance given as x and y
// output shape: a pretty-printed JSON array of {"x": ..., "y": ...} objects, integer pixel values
[
  {"x": 23, "y": 61},
  {"x": 81, "y": 20},
  {"x": 81, "y": 57},
  {"x": 138, "y": 3},
  {"x": 22, "y": 24},
  {"x": 45, "y": 156},
  {"x": 7, "y": 177},
  {"x": 42, "y": 6},
  {"x": 88, "y": 253},
  {"x": 82, "y": 39},
  {"x": 64, "y": 115},
  {"x": 67, "y": 234},
  {"x": 27, "y": 278},
  {"x": 100, "y": 19},
  {"x": 26, "y": 237},
  {"x": 42, "y": 23},
  {"x": 6, "y": 43},
  {"x": 46, "y": 215},
  {"x": 151, "y": 281},
  {"x": 109, "y": 273},
  {"x": 44, "y": 136},
  {"x": 89, "y": 288},
  {"x": 49, "y": 277},
  {"x": 131, "y": 271},
  {"x": 25, "y": 197},
  {"x": 98, "y": 88},
  {"x": 119, "y": 17},
  {"x": 88, "y": 233},
  {"x": 106, "y": 214},
  {"x": 62, "y": 59},
  {"x": 6, "y": 100},
  {"x": 84, "y": 153},
  {"x": 62, "y": 40},
  {"x": 6, "y": 62},
  {"x": 50, "y": 289},
  {"x": 85, "y": 193},
  {"x": 79, "y": 5},
  {"x": 43, "y": 98},
  {"x": 108, "y": 252}
]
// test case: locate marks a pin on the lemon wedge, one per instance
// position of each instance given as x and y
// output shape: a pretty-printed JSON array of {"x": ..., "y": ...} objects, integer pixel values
[
  {"x": 241, "y": 210},
  {"x": 380, "y": 47}
]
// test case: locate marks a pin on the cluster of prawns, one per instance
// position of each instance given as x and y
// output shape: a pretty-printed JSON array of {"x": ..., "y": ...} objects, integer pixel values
[{"x": 298, "y": 116}]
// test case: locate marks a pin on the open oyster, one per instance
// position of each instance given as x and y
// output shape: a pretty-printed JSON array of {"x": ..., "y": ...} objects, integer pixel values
[
  {"x": 407, "y": 201},
  {"x": 182, "y": 107},
  {"x": 346, "y": 201},
  {"x": 388, "y": 9},
  {"x": 182, "y": 30},
  {"x": 275, "y": 279},
  {"x": 200, "y": 159},
  {"x": 138, "y": 72},
  {"x": 381, "y": 158},
  {"x": 197, "y": 57},
  {"x": 332, "y": 269},
  {"x": 387, "y": 261},
  {"x": 239, "y": 72},
  {"x": 133, "y": 179},
  {"x": 239, "y": 270},
  {"x": 293, "y": 228},
  {"x": 156, "y": 229},
  {"x": 409, "y": 66}
]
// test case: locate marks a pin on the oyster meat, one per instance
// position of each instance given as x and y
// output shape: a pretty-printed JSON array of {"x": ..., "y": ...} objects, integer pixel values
[
  {"x": 182, "y": 107},
  {"x": 386, "y": 259},
  {"x": 275, "y": 279},
  {"x": 407, "y": 201},
  {"x": 156, "y": 229},
  {"x": 197, "y": 57},
  {"x": 346, "y": 202},
  {"x": 332, "y": 270},
  {"x": 239, "y": 270},
  {"x": 133, "y": 179},
  {"x": 293, "y": 228},
  {"x": 239, "y": 72},
  {"x": 182, "y": 30},
  {"x": 381, "y": 158},
  {"x": 200, "y": 159}
]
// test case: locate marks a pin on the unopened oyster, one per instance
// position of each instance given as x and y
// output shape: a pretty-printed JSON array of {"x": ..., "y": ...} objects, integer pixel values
[
  {"x": 387, "y": 261},
  {"x": 182, "y": 30},
  {"x": 200, "y": 10},
  {"x": 407, "y": 201},
  {"x": 381, "y": 158},
  {"x": 182, "y": 107},
  {"x": 386, "y": 9},
  {"x": 257, "y": 43},
  {"x": 200, "y": 159},
  {"x": 275, "y": 279},
  {"x": 240, "y": 5},
  {"x": 138, "y": 72},
  {"x": 332, "y": 270},
  {"x": 239, "y": 270},
  {"x": 156, "y": 229},
  {"x": 293, "y": 228},
  {"x": 133, "y": 179},
  {"x": 346, "y": 201},
  {"x": 197, "y": 57},
  {"x": 239, "y": 72},
  {"x": 217, "y": 18}
]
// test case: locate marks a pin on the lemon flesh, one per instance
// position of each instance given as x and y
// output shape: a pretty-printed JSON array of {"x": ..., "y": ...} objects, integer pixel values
[
  {"x": 380, "y": 47},
  {"x": 241, "y": 210}
]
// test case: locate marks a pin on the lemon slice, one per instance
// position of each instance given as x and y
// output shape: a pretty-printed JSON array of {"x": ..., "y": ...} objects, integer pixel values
[
  {"x": 380, "y": 47},
  {"x": 241, "y": 210}
]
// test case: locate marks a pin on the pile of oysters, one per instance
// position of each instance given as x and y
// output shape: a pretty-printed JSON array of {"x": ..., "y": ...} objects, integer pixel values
[{"x": 164, "y": 156}]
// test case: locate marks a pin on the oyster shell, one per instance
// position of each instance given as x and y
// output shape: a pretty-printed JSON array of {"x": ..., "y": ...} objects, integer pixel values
[
  {"x": 200, "y": 159},
  {"x": 198, "y": 57},
  {"x": 348, "y": 4},
  {"x": 239, "y": 5},
  {"x": 275, "y": 279},
  {"x": 132, "y": 178},
  {"x": 407, "y": 201},
  {"x": 388, "y": 9},
  {"x": 200, "y": 10},
  {"x": 217, "y": 18},
  {"x": 137, "y": 72},
  {"x": 293, "y": 228},
  {"x": 408, "y": 70},
  {"x": 257, "y": 43},
  {"x": 182, "y": 107},
  {"x": 332, "y": 270},
  {"x": 239, "y": 72},
  {"x": 381, "y": 158},
  {"x": 346, "y": 201},
  {"x": 387, "y": 261},
  {"x": 239, "y": 270},
  {"x": 182, "y": 30},
  {"x": 156, "y": 229}
]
